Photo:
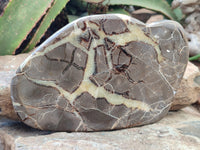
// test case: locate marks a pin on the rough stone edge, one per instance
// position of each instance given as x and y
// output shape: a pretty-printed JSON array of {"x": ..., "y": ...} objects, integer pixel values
[
  {"x": 189, "y": 90},
  {"x": 6, "y": 141}
]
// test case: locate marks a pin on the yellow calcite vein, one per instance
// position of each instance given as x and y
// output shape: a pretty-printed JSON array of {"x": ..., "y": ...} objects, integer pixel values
[
  {"x": 135, "y": 34},
  {"x": 96, "y": 92}
]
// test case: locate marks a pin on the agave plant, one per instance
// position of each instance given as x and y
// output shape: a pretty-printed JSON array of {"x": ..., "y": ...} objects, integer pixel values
[{"x": 23, "y": 23}]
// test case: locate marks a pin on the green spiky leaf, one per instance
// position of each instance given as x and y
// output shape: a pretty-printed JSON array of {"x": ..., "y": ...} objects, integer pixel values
[
  {"x": 118, "y": 11},
  {"x": 57, "y": 6},
  {"x": 17, "y": 21},
  {"x": 178, "y": 14}
]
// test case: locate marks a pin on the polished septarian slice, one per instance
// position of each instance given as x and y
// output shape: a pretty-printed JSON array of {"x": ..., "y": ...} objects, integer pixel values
[{"x": 101, "y": 72}]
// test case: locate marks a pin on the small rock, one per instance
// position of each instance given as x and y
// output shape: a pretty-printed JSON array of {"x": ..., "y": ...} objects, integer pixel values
[
  {"x": 188, "y": 2},
  {"x": 8, "y": 66},
  {"x": 189, "y": 90},
  {"x": 184, "y": 4},
  {"x": 155, "y": 18},
  {"x": 194, "y": 43},
  {"x": 147, "y": 16},
  {"x": 191, "y": 10},
  {"x": 143, "y": 14}
]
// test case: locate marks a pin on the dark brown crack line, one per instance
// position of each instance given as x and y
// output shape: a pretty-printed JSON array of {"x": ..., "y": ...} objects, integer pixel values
[
  {"x": 106, "y": 41},
  {"x": 124, "y": 94},
  {"x": 182, "y": 36},
  {"x": 89, "y": 41},
  {"x": 129, "y": 78},
  {"x": 115, "y": 33},
  {"x": 48, "y": 86},
  {"x": 105, "y": 82},
  {"x": 120, "y": 69},
  {"x": 99, "y": 23},
  {"x": 69, "y": 63},
  {"x": 94, "y": 35},
  {"x": 59, "y": 60},
  {"x": 156, "y": 53},
  {"x": 127, "y": 54},
  {"x": 84, "y": 26}
]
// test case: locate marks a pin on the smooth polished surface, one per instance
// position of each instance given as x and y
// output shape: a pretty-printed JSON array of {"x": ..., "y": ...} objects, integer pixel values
[{"x": 101, "y": 72}]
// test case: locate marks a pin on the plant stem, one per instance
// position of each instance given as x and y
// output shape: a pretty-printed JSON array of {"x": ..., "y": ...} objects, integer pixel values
[{"x": 196, "y": 57}]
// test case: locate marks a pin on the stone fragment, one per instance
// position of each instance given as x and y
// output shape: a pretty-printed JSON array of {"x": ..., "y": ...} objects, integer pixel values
[
  {"x": 146, "y": 15},
  {"x": 155, "y": 18},
  {"x": 194, "y": 43},
  {"x": 191, "y": 10},
  {"x": 179, "y": 130},
  {"x": 142, "y": 14},
  {"x": 8, "y": 66},
  {"x": 189, "y": 90},
  {"x": 136, "y": 73},
  {"x": 192, "y": 28}
]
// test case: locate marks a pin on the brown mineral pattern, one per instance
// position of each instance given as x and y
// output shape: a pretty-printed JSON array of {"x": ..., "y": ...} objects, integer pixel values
[{"x": 101, "y": 72}]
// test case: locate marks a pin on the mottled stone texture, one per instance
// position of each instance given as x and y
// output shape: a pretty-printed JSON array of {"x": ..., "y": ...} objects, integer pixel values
[
  {"x": 101, "y": 72},
  {"x": 179, "y": 130}
]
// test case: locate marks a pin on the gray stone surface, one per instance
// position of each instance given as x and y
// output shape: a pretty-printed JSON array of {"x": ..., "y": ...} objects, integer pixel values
[
  {"x": 179, "y": 130},
  {"x": 101, "y": 72},
  {"x": 187, "y": 94}
]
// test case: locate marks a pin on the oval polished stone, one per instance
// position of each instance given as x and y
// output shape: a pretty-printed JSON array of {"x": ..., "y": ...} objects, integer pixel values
[{"x": 101, "y": 72}]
